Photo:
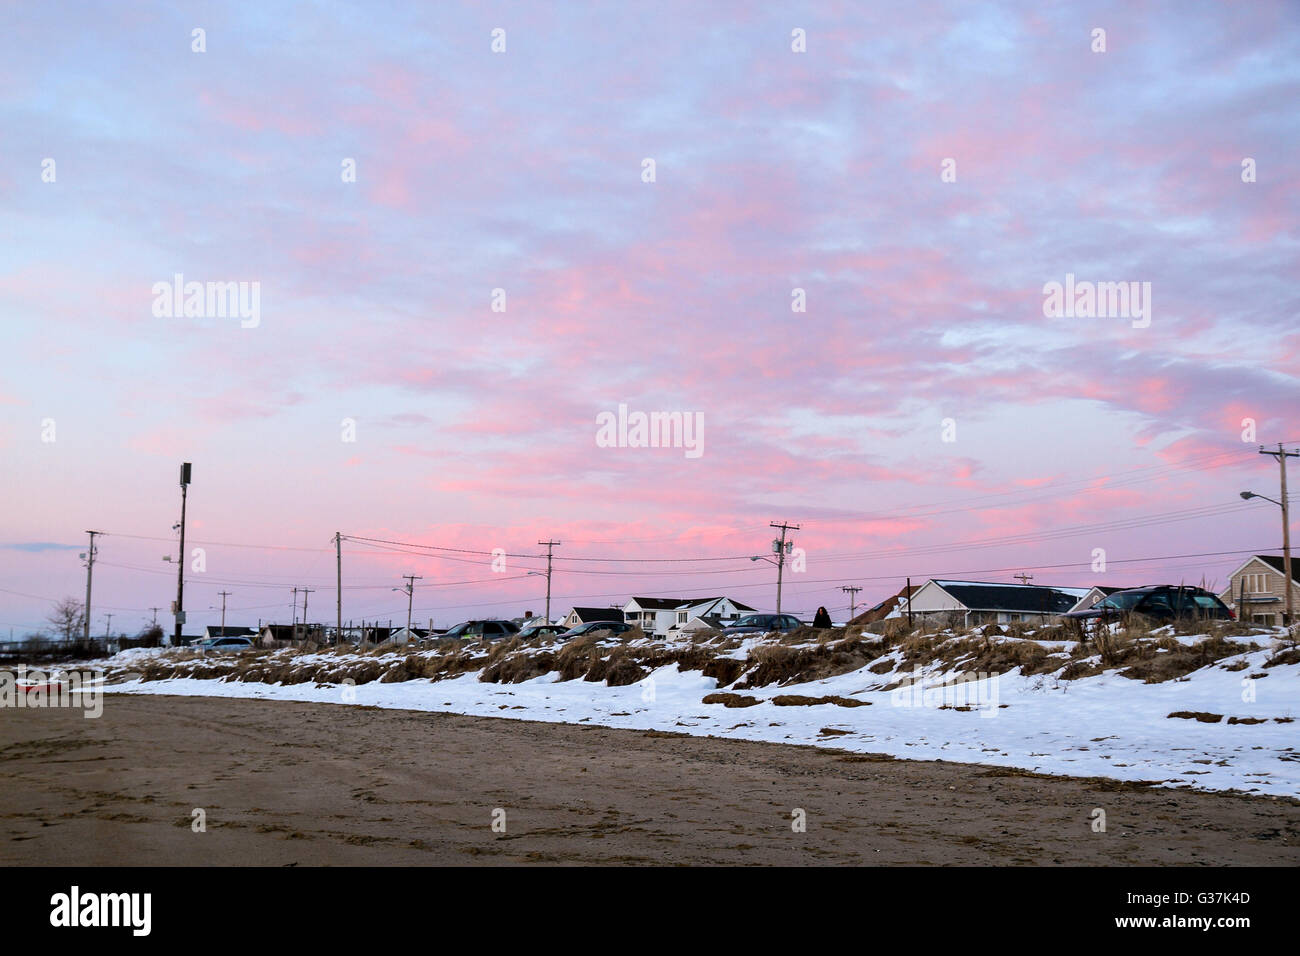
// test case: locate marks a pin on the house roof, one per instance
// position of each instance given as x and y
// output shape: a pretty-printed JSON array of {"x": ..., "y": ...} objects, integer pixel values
[
  {"x": 659, "y": 604},
  {"x": 1272, "y": 561},
  {"x": 1275, "y": 562},
  {"x": 1024, "y": 598},
  {"x": 229, "y": 630},
  {"x": 700, "y": 607},
  {"x": 588, "y": 614}
]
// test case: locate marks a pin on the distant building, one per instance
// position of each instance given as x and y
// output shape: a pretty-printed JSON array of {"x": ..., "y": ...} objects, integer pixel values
[
  {"x": 275, "y": 635},
  {"x": 1256, "y": 592},
  {"x": 212, "y": 631},
  {"x": 981, "y": 602},
  {"x": 662, "y": 617},
  {"x": 708, "y": 614},
  {"x": 585, "y": 615}
]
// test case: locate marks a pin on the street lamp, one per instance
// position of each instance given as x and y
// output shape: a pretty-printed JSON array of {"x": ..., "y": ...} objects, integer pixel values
[
  {"x": 779, "y": 562},
  {"x": 1287, "y": 584},
  {"x": 543, "y": 574},
  {"x": 1247, "y": 495}
]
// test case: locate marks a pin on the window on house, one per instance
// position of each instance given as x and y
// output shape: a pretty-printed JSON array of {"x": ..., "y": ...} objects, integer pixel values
[{"x": 1255, "y": 583}]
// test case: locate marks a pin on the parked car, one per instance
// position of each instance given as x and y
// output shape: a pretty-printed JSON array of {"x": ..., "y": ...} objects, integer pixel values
[
  {"x": 592, "y": 627},
  {"x": 491, "y": 630},
  {"x": 225, "y": 645},
  {"x": 541, "y": 630},
  {"x": 763, "y": 624},
  {"x": 1160, "y": 602}
]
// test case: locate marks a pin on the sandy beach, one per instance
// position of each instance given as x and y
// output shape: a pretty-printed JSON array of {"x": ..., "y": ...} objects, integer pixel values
[{"x": 282, "y": 783}]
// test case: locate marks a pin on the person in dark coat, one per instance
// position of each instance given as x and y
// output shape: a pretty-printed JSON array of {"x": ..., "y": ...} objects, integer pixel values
[{"x": 821, "y": 619}]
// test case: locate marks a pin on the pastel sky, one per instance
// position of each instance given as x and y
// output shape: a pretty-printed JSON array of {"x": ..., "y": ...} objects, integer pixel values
[{"x": 522, "y": 170}]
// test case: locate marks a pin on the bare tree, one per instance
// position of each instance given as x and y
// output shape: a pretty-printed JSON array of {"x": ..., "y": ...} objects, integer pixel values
[{"x": 68, "y": 618}]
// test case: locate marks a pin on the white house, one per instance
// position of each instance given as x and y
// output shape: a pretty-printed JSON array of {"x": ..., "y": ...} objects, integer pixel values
[
  {"x": 707, "y": 613},
  {"x": 655, "y": 616}
]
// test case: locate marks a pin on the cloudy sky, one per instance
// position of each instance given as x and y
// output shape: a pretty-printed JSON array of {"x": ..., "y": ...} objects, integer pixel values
[{"x": 922, "y": 416}]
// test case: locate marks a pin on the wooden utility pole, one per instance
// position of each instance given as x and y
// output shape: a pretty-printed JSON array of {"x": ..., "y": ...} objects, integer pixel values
[
  {"x": 90, "y": 568},
  {"x": 1023, "y": 578},
  {"x": 180, "y": 565},
  {"x": 409, "y": 588},
  {"x": 224, "y": 595},
  {"x": 549, "y": 546},
  {"x": 779, "y": 548},
  {"x": 306, "y": 633},
  {"x": 1282, "y": 455},
  {"x": 909, "y": 603},
  {"x": 338, "y": 558},
  {"x": 853, "y": 594}
]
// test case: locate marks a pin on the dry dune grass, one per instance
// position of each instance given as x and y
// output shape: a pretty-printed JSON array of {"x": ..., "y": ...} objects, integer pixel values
[
  {"x": 780, "y": 664},
  {"x": 1135, "y": 650}
]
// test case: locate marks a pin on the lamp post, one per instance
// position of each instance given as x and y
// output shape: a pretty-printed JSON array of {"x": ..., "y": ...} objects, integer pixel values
[
  {"x": 409, "y": 590},
  {"x": 780, "y": 565},
  {"x": 1287, "y": 583}
]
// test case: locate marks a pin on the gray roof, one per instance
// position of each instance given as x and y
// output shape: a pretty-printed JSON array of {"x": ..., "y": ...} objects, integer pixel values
[
  {"x": 587, "y": 614},
  {"x": 1016, "y": 598}
]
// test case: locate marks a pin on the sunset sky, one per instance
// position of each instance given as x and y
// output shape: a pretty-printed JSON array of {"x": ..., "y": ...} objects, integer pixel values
[{"x": 522, "y": 170}]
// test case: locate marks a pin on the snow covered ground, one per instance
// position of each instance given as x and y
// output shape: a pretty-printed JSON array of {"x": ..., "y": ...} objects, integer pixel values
[{"x": 1106, "y": 725}]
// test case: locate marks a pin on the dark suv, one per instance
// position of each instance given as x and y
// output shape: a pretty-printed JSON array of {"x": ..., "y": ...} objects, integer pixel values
[
  {"x": 1161, "y": 602},
  {"x": 489, "y": 630},
  {"x": 763, "y": 624},
  {"x": 596, "y": 627}
]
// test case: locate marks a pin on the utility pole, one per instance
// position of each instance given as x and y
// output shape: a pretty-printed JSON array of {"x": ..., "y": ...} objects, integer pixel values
[
  {"x": 338, "y": 559},
  {"x": 306, "y": 633},
  {"x": 155, "y": 615},
  {"x": 909, "y": 604},
  {"x": 549, "y": 546},
  {"x": 853, "y": 595},
  {"x": 224, "y": 595},
  {"x": 1282, "y": 455},
  {"x": 1023, "y": 578},
  {"x": 409, "y": 588},
  {"x": 780, "y": 548},
  {"x": 90, "y": 567},
  {"x": 108, "y": 626},
  {"x": 293, "y": 634},
  {"x": 180, "y": 569}
]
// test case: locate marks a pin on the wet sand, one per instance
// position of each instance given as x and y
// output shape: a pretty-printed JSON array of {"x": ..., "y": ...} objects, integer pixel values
[{"x": 311, "y": 784}]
